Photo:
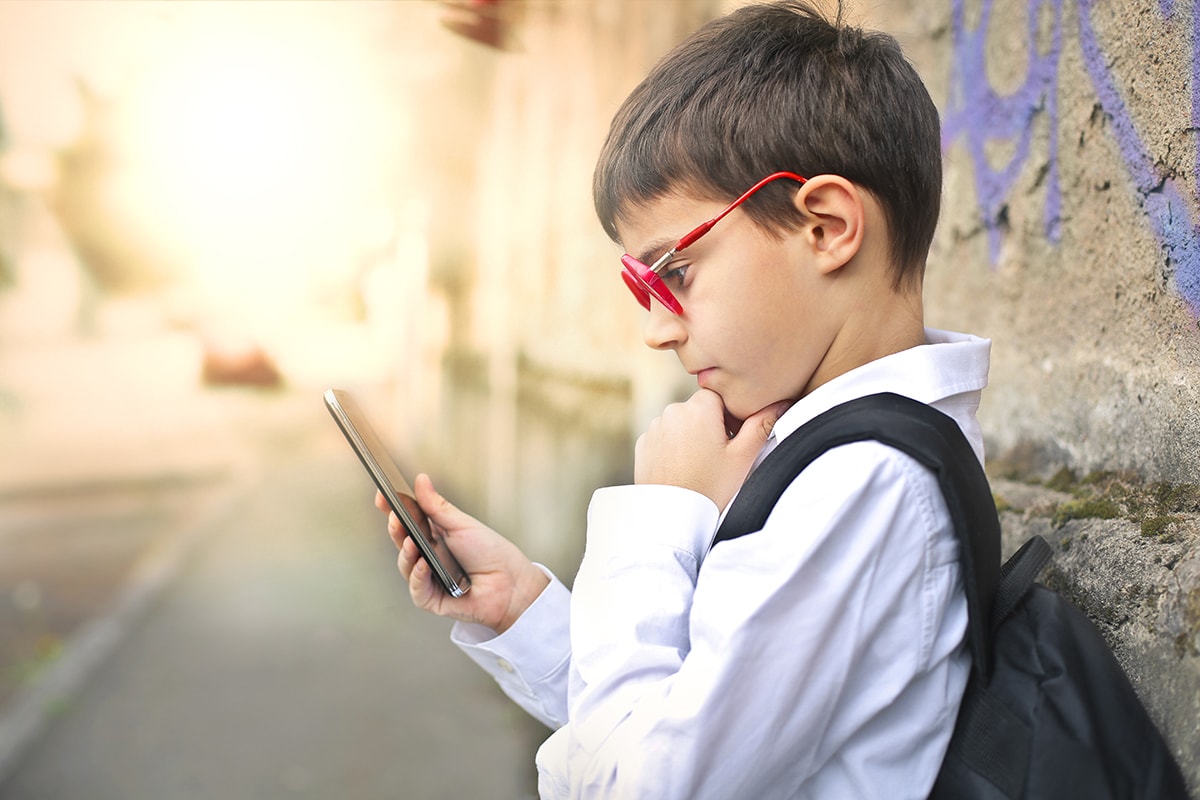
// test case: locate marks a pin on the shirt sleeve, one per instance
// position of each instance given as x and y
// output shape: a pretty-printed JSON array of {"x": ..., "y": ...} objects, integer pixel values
[
  {"x": 529, "y": 660},
  {"x": 819, "y": 656}
]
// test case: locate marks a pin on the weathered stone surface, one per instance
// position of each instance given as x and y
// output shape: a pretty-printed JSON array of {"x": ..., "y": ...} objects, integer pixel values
[{"x": 1142, "y": 591}]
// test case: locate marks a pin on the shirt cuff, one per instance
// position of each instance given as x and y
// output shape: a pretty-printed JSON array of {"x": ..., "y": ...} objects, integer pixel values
[
  {"x": 633, "y": 518},
  {"x": 533, "y": 651}
]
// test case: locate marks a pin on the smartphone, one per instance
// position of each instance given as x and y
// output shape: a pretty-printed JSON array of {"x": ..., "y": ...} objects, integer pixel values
[{"x": 395, "y": 488}]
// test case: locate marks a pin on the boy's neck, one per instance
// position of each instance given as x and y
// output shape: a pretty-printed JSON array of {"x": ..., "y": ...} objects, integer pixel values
[{"x": 882, "y": 323}]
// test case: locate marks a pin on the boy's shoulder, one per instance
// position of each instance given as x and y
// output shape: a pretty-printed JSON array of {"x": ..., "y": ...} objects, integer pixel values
[{"x": 870, "y": 447}]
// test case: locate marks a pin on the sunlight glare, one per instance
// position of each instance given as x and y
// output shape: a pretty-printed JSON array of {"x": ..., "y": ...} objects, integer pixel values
[{"x": 259, "y": 144}]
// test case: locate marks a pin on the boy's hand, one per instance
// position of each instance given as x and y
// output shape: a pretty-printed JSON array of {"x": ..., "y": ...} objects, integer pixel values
[
  {"x": 503, "y": 581},
  {"x": 690, "y": 446}
]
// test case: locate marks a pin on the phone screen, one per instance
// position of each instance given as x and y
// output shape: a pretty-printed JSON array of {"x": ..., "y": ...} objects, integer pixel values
[{"x": 386, "y": 475}]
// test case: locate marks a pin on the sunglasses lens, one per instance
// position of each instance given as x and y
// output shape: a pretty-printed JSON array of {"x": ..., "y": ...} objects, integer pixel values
[
  {"x": 644, "y": 284},
  {"x": 635, "y": 286}
]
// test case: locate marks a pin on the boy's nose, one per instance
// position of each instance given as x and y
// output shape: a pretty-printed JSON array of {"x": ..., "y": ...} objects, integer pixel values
[{"x": 663, "y": 330}]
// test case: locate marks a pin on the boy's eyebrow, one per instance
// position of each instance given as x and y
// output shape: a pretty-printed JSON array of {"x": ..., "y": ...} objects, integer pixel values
[{"x": 655, "y": 250}]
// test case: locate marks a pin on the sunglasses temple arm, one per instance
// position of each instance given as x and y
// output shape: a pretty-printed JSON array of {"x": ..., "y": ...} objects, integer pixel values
[
  {"x": 658, "y": 266},
  {"x": 691, "y": 238}
]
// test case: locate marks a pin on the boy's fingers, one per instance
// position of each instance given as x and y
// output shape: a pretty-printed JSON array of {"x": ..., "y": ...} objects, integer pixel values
[
  {"x": 395, "y": 529},
  {"x": 420, "y": 584},
  {"x": 407, "y": 558},
  {"x": 381, "y": 502},
  {"x": 758, "y": 426}
]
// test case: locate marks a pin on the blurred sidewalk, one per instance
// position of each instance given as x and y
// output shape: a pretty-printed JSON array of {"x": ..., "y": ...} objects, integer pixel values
[
  {"x": 111, "y": 455},
  {"x": 197, "y": 600}
]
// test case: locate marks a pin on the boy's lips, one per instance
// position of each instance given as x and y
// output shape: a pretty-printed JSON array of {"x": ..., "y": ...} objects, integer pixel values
[{"x": 704, "y": 376}]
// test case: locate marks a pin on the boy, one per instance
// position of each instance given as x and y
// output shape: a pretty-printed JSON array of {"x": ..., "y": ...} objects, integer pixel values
[{"x": 823, "y": 655}]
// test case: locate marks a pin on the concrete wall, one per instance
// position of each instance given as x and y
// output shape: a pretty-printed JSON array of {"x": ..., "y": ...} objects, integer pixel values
[
  {"x": 1068, "y": 236},
  {"x": 1070, "y": 232}
]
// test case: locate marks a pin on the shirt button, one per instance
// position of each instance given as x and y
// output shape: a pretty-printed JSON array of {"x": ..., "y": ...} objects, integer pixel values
[{"x": 505, "y": 665}]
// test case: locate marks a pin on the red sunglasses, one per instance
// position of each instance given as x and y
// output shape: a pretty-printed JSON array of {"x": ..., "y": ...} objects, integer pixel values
[{"x": 646, "y": 281}]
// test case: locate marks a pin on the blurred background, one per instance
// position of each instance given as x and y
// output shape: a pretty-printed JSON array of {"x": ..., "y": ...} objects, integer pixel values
[{"x": 210, "y": 212}]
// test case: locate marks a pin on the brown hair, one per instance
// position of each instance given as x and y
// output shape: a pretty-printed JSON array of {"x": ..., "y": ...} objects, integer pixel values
[{"x": 772, "y": 87}]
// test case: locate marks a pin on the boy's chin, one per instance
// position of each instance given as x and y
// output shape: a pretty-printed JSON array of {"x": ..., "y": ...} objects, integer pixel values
[{"x": 734, "y": 417}]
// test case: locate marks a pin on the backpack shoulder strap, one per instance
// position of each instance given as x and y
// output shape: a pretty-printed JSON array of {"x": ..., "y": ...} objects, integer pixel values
[
  {"x": 1017, "y": 575},
  {"x": 936, "y": 442}
]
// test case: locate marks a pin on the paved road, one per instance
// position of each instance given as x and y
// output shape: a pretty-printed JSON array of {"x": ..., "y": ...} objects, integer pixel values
[{"x": 279, "y": 658}]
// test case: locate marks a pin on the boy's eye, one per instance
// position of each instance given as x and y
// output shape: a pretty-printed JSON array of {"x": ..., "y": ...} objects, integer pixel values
[{"x": 676, "y": 275}]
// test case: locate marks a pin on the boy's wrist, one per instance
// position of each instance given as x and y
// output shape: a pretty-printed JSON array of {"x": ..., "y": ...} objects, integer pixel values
[{"x": 528, "y": 586}]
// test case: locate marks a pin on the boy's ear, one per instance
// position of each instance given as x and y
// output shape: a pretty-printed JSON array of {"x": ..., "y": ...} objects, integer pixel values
[{"x": 834, "y": 220}]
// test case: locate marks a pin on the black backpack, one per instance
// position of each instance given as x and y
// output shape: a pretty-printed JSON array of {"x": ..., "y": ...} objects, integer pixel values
[{"x": 1048, "y": 712}]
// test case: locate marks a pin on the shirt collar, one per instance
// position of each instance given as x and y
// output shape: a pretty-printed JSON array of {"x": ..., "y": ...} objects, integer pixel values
[{"x": 947, "y": 364}]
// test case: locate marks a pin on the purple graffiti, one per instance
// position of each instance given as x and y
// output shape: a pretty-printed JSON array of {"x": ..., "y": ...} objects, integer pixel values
[
  {"x": 1196, "y": 86},
  {"x": 977, "y": 114}
]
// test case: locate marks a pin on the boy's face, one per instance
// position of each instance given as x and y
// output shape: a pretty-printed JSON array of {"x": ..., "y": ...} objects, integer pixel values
[{"x": 756, "y": 323}]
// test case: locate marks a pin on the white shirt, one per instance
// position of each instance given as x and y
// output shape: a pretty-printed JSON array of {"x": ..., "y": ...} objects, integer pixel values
[{"x": 820, "y": 657}]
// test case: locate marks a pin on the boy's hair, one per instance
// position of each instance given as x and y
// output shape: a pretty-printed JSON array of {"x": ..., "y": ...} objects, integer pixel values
[{"x": 773, "y": 87}]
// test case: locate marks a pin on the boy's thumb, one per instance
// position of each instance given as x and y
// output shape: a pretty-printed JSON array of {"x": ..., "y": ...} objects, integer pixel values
[
  {"x": 758, "y": 426},
  {"x": 432, "y": 503}
]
